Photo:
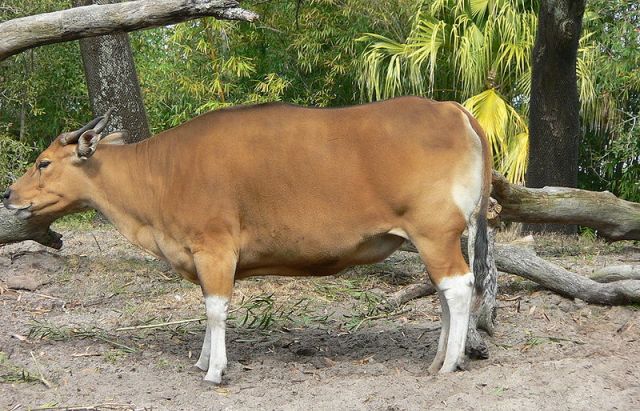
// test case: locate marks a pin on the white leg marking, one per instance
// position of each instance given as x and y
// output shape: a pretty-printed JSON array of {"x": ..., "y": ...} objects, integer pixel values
[
  {"x": 444, "y": 336},
  {"x": 205, "y": 353},
  {"x": 457, "y": 291},
  {"x": 216, "y": 316}
]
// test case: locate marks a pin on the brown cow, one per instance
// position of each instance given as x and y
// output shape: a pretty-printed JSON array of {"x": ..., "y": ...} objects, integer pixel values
[{"x": 280, "y": 189}]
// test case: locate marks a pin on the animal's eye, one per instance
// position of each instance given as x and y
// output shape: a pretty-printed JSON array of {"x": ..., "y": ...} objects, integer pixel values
[{"x": 43, "y": 164}]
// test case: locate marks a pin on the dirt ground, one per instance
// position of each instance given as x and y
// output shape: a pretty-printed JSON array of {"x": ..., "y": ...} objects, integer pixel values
[{"x": 312, "y": 344}]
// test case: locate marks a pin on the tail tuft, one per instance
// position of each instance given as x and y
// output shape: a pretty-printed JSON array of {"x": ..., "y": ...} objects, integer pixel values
[{"x": 481, "y": 248}]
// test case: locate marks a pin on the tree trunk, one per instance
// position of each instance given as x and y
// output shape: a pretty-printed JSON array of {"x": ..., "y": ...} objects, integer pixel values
[
  {"x": 112, "y": 81},
  {"x": 554, "y": 117},
  {"x": 613, "y": 218},
  {"x": 23, "y": 33}
]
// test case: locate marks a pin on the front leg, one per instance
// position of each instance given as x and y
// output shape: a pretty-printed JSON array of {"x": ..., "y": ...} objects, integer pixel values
[{"x": 215, "y": 274}]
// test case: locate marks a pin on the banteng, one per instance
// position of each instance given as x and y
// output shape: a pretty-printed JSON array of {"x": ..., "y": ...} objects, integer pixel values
[{"x": 285, "y": 190}]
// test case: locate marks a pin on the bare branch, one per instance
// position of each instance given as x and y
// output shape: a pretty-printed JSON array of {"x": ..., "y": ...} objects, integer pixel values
[{"x": 88, "y": 21}]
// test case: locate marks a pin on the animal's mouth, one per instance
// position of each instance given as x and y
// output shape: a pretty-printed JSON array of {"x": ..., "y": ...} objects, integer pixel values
[
  {"x": 18, "y": 208},
  {"x": 22, "y": 212}
]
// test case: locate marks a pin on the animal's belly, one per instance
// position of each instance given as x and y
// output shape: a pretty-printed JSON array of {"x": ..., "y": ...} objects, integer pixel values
[{"x": 313, "y": 260}]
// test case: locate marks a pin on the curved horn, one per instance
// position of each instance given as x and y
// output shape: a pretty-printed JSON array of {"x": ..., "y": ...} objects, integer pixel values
[
  {"x": 72, "y": 136},
  {"x": 97, "y": 124},
  {"x": 103, "y": 122}
]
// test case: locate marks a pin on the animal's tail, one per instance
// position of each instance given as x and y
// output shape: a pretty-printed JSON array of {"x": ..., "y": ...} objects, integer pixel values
[{"x": 480, "y": 244}]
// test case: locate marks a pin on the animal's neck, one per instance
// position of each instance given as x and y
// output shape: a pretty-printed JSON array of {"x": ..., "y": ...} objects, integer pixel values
[{"x": 122, "y": 186}]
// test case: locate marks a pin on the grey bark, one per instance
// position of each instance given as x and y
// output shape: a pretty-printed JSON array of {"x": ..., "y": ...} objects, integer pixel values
[
  {"x": 616, "y": 273},
  {"x": 13, "y": 229},
  {"x": 23, "y": 33},
  {"x": 554, "y": 115},
  {"x": 523, "y": 262},
  {"x": 613, "y": 218},
  {"x": 112, "y": 81}
]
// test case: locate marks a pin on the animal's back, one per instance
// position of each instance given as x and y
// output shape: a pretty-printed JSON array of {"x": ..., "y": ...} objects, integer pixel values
[{"x": 279, "y": 146}]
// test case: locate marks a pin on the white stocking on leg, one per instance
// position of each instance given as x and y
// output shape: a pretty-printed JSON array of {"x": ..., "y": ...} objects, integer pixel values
[
  {"x": 216, "y": 317},
  {"x": 203, "y": 360},
  {"x": 458, "y": 291}
]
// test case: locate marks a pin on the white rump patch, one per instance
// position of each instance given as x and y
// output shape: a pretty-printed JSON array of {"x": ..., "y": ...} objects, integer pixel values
[{"x": 467, "y": 190}]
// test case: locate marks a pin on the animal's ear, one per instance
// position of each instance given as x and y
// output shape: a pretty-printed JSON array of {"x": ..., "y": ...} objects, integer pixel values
[
  {"x": 117, "y": 137},
  {"x": 87, "y": 144}
]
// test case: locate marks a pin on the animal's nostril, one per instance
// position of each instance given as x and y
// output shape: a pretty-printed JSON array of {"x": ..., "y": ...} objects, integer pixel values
[{"x": 7, "y": 194}]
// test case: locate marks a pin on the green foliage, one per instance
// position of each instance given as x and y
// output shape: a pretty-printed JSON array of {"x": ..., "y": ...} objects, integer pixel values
[
  {"x": 302, "y": 53},
  {"x": 610, "y": 153},
  {"x": 14, "y": 159},
  {"x": 478, "y": 52},
  {"x": 11, "y": 373},
  {"x": 263, "y": 312},
  {"x": 80, "y": 221},
  {"x": 42, "y": 90}
]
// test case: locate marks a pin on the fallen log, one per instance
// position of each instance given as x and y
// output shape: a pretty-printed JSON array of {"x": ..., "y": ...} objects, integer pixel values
[
  {"x": 616, "y": 273},
  {"x": 613, "y": 218},
  {"x": 410, "y": 292},
  {"x": 88, "y": 21},
  {"x": 524, "y": 263},
  {"x": 14, "y": 229}
]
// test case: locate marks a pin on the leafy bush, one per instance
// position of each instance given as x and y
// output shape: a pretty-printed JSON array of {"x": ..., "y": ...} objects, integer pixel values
[{"x": 15, "y": 157}]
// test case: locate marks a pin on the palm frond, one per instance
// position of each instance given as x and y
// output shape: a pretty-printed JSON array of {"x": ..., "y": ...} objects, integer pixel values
[
  {"x": 505, "y": 128},
  {"x": 514, "y": 166}
]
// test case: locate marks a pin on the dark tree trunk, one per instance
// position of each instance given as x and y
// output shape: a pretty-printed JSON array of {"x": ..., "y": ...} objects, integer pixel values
[
  {"x": 112, "y": 80},
  {"x": 554, "y": 118}
]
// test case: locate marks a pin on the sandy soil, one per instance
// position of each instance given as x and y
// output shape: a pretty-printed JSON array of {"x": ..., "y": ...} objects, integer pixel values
[{"x": 294, "y": 344}]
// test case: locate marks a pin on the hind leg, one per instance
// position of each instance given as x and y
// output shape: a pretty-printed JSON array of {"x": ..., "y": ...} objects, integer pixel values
[
  {"x": 449, "y": 272},
  {"x": 458, "y": 291},
  {"x": 444, "y": 336}
]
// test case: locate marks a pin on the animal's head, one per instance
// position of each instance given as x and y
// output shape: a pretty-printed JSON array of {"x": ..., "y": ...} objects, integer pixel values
[{"x": 55, "y": 185}]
